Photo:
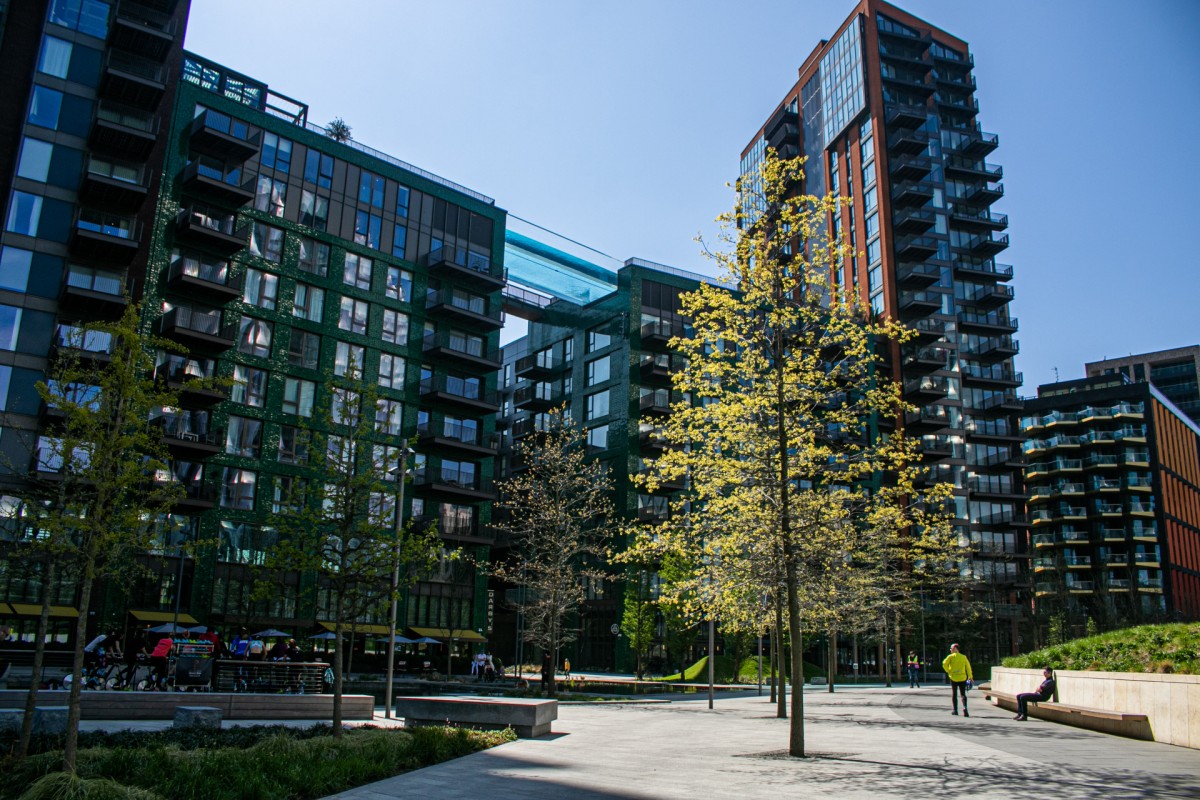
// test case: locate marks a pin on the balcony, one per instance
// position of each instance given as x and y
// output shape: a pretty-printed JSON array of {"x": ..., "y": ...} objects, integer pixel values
[
  {"x": 194, "y": 378},
  {"x": 187, "y": 442},
  {"x": 982, "y": 269},
  {"x": 909, "y": 167},
  {"x": 143, "y": 32},
  {"x": 993, "y": 349},
  {"x": 462, "y": 307},
  {"x": 994, "y": 487},
  {"x": 221, "y": 136},
  {"x": 86, "y": 346},
  {"x": 782, "y": 129},
  {"x": 469, "y": 531},
  {"x": 450, "y": 481},
  {"x": 1118, "y": 584},
  {"x": 970, "y": 142},
  {"x": 655, "y": 403},
  {"x": 1112, "y": 534},
  {"x": 193, "y": 276},
  {"x": 468, "y": 350},
  {"x": 913, "y": 220},
  {"x": 124, "y": 132},
  {"x": 108, "y": 184},
  {"x": 967, "y": 104},
  {"x": 541, "y": 364},
  {"x": 464, "y": 393},
  {"x": 927, "y": 418},
  {"x": 197, "y": 328},
  {"x": 974, "y": 168},
  {"x": 105, "y": 237},
  {"x": 210, "y": 228},
  {"x": 1001, "y": 402},
  {"x": 993, "y": 375},
  {"x": 467, "y": 267},
  {"x": 984, "y": 193},
  {"x": 658, "y": 335},
  {"x": 899, "y": 116},
  {"x": 927, "y": 388},
  {"x": 538, "y": 397},
  {"x": 920, "y": 303},
  {"x": 965, "y": 217},
  {"x": 916, "y": 248},
  {"x": 218, "y": 183},
  {"x": 457, "y": 437},
  {"x": 655, "y": 368},
  {"x": 935, "y": 449},
  {"x": 1081, "y": 587},
  {"x": 908, "y": 141},
  {"x": 133, "y": 80},
  {"x": 992, "y": 296},
  {"x": 987, "y": 323},
  {"x": 928, "y": 359},
  {"x": 984, "y": 245},
  {"x": 94, "y": 293},
  {"x": 928, "y": 329},
  {"x": 196, "y": 497},
  {"x": 991, "y": 430},
  {"x": 911, "y": 193},
  {"x": 918, "y": 275}
]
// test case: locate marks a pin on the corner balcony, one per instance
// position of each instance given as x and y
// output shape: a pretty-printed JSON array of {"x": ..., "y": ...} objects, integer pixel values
[
  {"x": 194, "y": 378},
  {"x": 538, "y": 397},
  {"x": 460, "y": 393},
  {"x": 461, "y": 307},
  {"x": 458, "y": 483},
  {"x": 657, "y": 403},
  {"x": 218, "y": 183},
  {"x": 981, "y": 269},
  {"x": 124, "y": 132},
  {"x": 927, "y": 418},
  {"x": 108, "y": 184},
  {"x": 212, "y": 279},
  {"x": 92, "y": 293},
  {"x": 142, "y": 31},
  {"x": 993, "y": 375},
  {"x": 916, "y": 248},
  {"x": 909, "y": 167},
  {"x": 189, "y": 444},
  {"x": 210, "y": 228},
  {"x": 197, "y": 328},
  {"x": 993, "y": 349},
  {"x": 913, "y": 220},
  {"x": 457, "y": 438},
  {"x": 1002, "y": 402},
  {"x": 900, "y": 116},
  {"x": 221, "y": 136},
  {"x": 974, "y": 168},
  {"x": 912, "y": 193},
  {"x": 542, "y": 364},
  {"x": 984, "y": 193},
  {"x": 920, "y": 304},
  {"x": 969, "y": 141},
  {"x": 468, "y": 351},
  {"x": 927, "y": 388},
  {"x": 133, "y": 80},
  {"x": 918, "y": 275},
  {"x": 984, "y": 245},
  {"x": 992, "y": 296},
  {"x": 908, "y": 140},
  {"x": 967, "y": 217},
  {"x": 466, "y": 267},
  {"x": 928, "y": 329},
  {"x": 987, "y": 323},
  {"x": 658, "y": 335},
  {"x": 927, "y": 359},
  {"x": 101, "y": 236}
]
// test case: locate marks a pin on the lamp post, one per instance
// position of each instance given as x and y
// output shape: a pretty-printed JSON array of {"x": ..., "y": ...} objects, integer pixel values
[
  {"x": 402, "y": 469},
  {"x": 177, "y": 531}
]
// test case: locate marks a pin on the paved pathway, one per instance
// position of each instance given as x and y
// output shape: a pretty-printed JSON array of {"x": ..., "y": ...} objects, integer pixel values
[{"x": 864, "y": 743}]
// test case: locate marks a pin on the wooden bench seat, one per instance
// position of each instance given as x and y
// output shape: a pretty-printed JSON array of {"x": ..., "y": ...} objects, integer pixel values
[
  {"x": 1098, "y": 713},
  {"x": 1121, "y": 723}
]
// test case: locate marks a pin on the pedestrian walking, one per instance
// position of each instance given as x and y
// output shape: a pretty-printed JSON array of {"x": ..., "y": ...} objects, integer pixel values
[
  {"x": 914, "y": 670},
  {"x": 567, "y": 668},
  {"x": 1043, "y": 693},
  {"x": 958, "y": 671}
]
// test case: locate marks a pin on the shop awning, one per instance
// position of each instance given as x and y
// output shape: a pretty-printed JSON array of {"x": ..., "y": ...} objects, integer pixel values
[
  {"x": 32, "y": 610},
  {"x": 359, "y": 627},
  {"x": 5, "y": 610},
  {"x": 163, "y": 616},
  {"x": 460, "y": 635}
]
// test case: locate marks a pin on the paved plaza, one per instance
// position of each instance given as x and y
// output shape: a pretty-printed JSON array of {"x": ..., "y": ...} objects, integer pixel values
[{"x": 865, "y": 743}]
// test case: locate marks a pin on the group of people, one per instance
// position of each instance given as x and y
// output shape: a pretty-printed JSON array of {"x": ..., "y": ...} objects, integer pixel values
[
  {"x": 958, "y": 672},
  {"x": 486, "y": 667}
]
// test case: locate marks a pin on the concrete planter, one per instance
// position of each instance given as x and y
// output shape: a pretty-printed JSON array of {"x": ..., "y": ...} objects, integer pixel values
[{"x": 1170, "y": 702}]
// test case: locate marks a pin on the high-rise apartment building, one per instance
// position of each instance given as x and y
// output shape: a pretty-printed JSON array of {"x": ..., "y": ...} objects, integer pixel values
[
  {"x": 1175, "y": 373},
  {"x": 886, "y": 115},
  {"x": 1113, "y": 474}
]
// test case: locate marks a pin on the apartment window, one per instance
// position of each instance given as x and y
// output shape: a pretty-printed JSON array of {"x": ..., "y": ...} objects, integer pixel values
[
  {"x": 14, "y": 268},
  {"x": 276, "y": 153},
  {"x": 86, "y": 16},
  {"x": 34, "y": 163},
  {"x": 44, "y": 107},
  {"x": 269, "y": 195},
  {"x": 461, "y": 429},
  {"x": 288, "y": 496},
  {"x": 597, "y": 437},
  {"x": 389, "y": 416},
  {"x": 597, "y": 371},
  {"x": 391, "y": 371},
  {"x": 243, "y": 437},
  {"x": 357, "y": 271},
  {"x": 367, "y": 229},
  {"x": 237, "y": 489},
  {"x": 869, "y": 174},
  {"x": 597, "y": 405},
  {"x": 353, "y": 315},
  {"x": 872, "y": 225},
  {"x": 459, "y": 473},
  {"x": 344, "y": 406},
  {"x": 466, "y": 343},
  {"x": 314, "y": 210},
  {"x": 370, "y": 189},
  {"x": 266, "y": 241},
  {"x": 399, "y": 284},
  {"x": 298, "y": 397},
  {"x": 402, "y": 202},
  {"x": 293, "y": 445},
  {"x": 24, "y": 213},
  {"x": 597, "y": 340},
  {"x": 386, "y": 459},
  {"x": 254, "y": 337},
  {"x": 261, "y": 289},
  {"x": 395, "y": 327},
  {"x": 568, "y": 350},
  {"x": 304, "y": 349},
  {"x": 55, "y": 58},
  {"x": 348, "y": 359},
  {"x": 399, "y": 240},
  {"x": 318, "y": 169},
  {"x": 314, "y": 257},
  {"x": 310, "y": 302},
  {"x": 249, "y": 386},
  {"x": 873, "y": 251}
]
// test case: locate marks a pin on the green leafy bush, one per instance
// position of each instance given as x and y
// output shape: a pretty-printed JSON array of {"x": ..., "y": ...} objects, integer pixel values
[{"x": 1148, "y": 648}]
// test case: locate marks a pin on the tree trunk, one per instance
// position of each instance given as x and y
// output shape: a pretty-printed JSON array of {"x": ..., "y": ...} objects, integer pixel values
[
  {"x": 773, "y": 665},
  {"x": 780, "y": 674},
  {"x": 71, "y": 745},
  {"x": 833, "y": 662},
  {"x": 39, "y": 658},
  {"x": 796, "y": 649},
  {"x": 337, "y": 669}
]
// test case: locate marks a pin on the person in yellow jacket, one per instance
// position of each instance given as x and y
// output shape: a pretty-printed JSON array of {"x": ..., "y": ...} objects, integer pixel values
[{"x": 958, "y": 672}]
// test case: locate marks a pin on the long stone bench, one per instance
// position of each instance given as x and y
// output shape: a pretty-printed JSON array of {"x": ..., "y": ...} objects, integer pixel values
[
  {"x": 239, "y": 705},
  {"x": 1122, "y": 723},
  {"x": 528, "y": 717},
  {"x": 46, "y": 719}
]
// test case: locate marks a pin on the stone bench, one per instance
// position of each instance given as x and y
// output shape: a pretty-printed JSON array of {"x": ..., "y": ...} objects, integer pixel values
[
  {"x": 197, "y": 717},
  {"x": 528, "y": 717},
  {"x": 47, "y": 720},
  {"x": 1122, "y": 723}
]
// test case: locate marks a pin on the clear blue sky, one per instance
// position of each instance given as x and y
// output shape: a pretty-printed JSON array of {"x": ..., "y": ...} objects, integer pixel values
[{"x": 619, "y": 123}]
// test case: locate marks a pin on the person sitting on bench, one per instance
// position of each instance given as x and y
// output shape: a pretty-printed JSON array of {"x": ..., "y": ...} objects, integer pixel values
[{"x": 1044, "y": 693}]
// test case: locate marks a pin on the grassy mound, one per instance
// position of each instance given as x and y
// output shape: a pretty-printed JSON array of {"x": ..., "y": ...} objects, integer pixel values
[
  {"x": 725, "y": 671},
  {"x": 281, "y": 767},
  {"x": 1149, "y": 648}
]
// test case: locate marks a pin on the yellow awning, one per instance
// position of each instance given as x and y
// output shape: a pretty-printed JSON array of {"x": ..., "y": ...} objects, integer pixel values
[
  {"x": 31, "y": 610},
  {"x": 460, "y": 635},
  {"x": 164, "y": 616},
  {"x": 5, "y": 609},
  {"x": 359, "y": 627}
]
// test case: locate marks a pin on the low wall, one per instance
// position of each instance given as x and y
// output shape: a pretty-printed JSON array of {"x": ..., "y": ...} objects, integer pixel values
[
  {"x": 1170, "y": 702},
  {"x": 161, "y": 705}
]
